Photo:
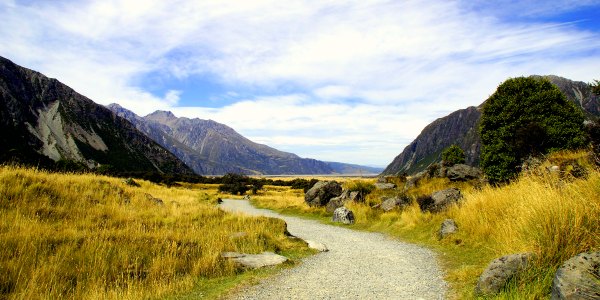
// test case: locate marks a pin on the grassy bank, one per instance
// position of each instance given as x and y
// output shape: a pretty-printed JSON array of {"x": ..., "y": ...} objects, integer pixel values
[
  {"x": 553, "y": 216},
  {"x": 89, "y": 236}
]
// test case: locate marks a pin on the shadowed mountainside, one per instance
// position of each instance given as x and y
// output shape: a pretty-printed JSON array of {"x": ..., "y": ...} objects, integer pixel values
[{"x": 43, "y": 121}]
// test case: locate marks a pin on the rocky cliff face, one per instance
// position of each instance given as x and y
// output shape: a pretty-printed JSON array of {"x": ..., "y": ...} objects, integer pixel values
[
  {"x": 43, "y": 121},
  {"x": 212, "y": 148},
  {"x": 461, "y": 128}
]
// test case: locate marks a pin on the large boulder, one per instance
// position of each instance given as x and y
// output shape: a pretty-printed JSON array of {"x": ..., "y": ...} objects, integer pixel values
[
  {"x": 390, "y": 203},
  {"x": 448, "y": 227},
  {"x": 439, "y": 200},
  {"x": 413, "y": 181},
  {"x": 500, "y": 271},
  {"x": 461, "y": 172},
  {"x": 322, "y": 192},
  {"x": 343, "y": 215},
  {"x": 578, "y": 278}
]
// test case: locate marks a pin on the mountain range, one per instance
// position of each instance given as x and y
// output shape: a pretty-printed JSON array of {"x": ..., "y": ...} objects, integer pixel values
[
  {"x": 43, "y": 121},
  {"x": 46, "y": 123},
  {"x": 461, "y": 128},
  {"x": 209, "y": 147}
]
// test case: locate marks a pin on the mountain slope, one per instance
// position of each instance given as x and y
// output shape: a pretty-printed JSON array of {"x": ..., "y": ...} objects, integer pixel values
[
  {"x": 43, "y": 121},
  {"x": 209, "y": 147},
  {"x": 461, "y": 128}
]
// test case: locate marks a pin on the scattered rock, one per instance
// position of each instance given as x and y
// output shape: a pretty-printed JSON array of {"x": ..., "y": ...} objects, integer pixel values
[
  {"x": 130, "y": 182},
  {"x": 247, "y": 198},
  {"x": 255, "y": 261},
  {"x": 578, "y": 278},
  {"x": 413, "y": 181},
  {"x": 499, "y": 272},
  {"x": 343, "y": 215},
  {"x": 384, "y": 186},
  {"x": 554, "y": 169},
  {"x": 322, "y": 192},
  {"x": 156, "y": 201},
  {"x": 448, "y": 227},
  {"x": 439, "y": 200},
  {"x": 317, "y": 246},
  {"x": 334, "y": 204},
  {"x": 462, "y": 172},
  {"x": 390, "y": 203}
]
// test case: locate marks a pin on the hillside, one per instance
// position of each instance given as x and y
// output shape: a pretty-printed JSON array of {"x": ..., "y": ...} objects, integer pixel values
[
  {"x": 212, "y": 148},
  {"x": 43, "y": 121},
  {"x": 460, "y": 127}
]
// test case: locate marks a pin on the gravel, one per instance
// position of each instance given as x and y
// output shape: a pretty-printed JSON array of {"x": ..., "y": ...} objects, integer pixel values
[{"x": 359, "y": 265}]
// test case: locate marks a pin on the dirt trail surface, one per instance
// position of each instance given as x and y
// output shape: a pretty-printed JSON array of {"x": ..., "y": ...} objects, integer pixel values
[{"x": 359, "y": 265}]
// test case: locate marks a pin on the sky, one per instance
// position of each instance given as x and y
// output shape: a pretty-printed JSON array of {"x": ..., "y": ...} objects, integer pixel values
[{"x": 347, "y": 81}]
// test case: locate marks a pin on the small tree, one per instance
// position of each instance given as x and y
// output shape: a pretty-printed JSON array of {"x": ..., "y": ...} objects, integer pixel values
[
  {"x": 525, "y": 117},
  {"x": 453, "y": 155}
]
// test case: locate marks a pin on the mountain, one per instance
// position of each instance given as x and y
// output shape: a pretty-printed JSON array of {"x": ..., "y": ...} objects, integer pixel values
[
  {"x": 43, "y": 121},
  {"x": 461, "y": 128},
  {"x": 343, "y": 168},
  {"x": 212, "y": 148}
]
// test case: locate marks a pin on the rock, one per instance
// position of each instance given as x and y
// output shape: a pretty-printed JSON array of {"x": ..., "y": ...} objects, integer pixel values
[
  {"x": 462, "y": 172},
  {"x": 578, "y": 278},
  {"x": 439, "y": 200},
  {"x": 413, "y": 181},
  {"x": 219, "y": 200},
  {"x": 247, "y": 198},
  {"x": 322, "y": 192},
  {"x": 334, "y": 204},
  {"x": 255, "y": 261},
  {"x": 390, "y": 203},
  {"x": 384, "y": 186},
  {"x": 448, "y": 227},
  {"x": 317, "y": 246},
  {"x": 130, "y": 182},
  {"x": 343, "y": 215},
  {"x": 156, "y": 201},
  {"x": 499, "y": 272}
]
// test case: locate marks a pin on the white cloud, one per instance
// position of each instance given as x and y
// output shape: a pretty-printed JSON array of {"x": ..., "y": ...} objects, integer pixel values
[{"x": 401, "y": 63}]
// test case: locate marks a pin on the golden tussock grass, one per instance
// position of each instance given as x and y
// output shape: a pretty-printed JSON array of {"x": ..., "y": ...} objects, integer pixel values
[{"x": 89, "y": 237}]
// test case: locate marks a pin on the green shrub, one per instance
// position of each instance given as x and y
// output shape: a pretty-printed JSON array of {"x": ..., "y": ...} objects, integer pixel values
[
  {"x": 453, "y": 155},
  {"x": 526, "y": 117}
]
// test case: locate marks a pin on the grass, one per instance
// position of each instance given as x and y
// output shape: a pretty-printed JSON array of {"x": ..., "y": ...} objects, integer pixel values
[
  {"x": 90, "y": 237},
  {"x": 554, "y": 216}
]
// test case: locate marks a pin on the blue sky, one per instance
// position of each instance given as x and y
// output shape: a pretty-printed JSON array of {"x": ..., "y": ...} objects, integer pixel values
[{"x": 349, "y": 81}]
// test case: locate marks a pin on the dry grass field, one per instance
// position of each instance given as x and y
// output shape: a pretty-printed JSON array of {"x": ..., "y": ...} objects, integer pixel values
[{"x": 94, "y": 237}]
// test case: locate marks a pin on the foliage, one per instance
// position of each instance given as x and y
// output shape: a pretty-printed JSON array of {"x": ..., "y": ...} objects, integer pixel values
[
  {"x": 453, "y": 155},
  {"x": 526, "y": 117},
  {"x": 304, "y": 184},
  {"x": 595, "y": 87},
  {"x": 361, "y": 186}
]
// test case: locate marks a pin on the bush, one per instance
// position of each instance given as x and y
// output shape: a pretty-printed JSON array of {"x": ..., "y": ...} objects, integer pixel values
[
  {"x": 453, "y": 155},
  {"x": 526, "y": 117}
]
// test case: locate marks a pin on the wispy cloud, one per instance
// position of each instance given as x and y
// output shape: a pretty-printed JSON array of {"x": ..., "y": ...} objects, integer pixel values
[{"x": 326, "y": 79}]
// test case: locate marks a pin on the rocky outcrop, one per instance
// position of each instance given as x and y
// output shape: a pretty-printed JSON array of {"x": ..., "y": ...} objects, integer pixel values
[
  {"x": 578, "y": 278},
  {"x": 255, "y": 261},
  {"x": 461, "y": 128},
  {"x": 499, "y": 272},
  {"x": 43, "y": 121},
  {"x": 447, "y": 228},
  {"x": 440, "y": 200},
  {"x": 343, "y": 215},
  {"x": 322, "y": 192}
]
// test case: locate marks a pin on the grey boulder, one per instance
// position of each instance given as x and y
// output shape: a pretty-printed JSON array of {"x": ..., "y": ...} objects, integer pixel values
[
  {"x": 389, "y": 204},
  {"x": 448, "y": 227},
  {"x": 499, "y": 272},
  {"x": 255, "y": 261},
  {"x": 343, "y": 215},
  {"x": 461, "y": 172},
  {"x": 322, "y": 192},
  {"x": 578, "y": 278}
]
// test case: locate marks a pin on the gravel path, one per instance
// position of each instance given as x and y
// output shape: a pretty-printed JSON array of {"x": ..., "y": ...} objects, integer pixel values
[{"x": 359, "y": 265}]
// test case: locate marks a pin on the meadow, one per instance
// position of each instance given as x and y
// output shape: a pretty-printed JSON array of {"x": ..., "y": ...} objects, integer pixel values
[
  {"x": 73, "y": 236},
  {"x": 554, "y": 216}
]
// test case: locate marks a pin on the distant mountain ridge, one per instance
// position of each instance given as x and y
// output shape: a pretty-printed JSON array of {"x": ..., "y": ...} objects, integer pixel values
[
  {"x": 211, "y": 148},
  {"x": 43, "y": 121},
  {"x": 461, "y": 128}
]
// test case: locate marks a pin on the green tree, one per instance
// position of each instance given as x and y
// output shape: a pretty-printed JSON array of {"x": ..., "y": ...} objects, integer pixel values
[
  {"x": 453, "y": 155},
  {"x": 526, "y": 117}
]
